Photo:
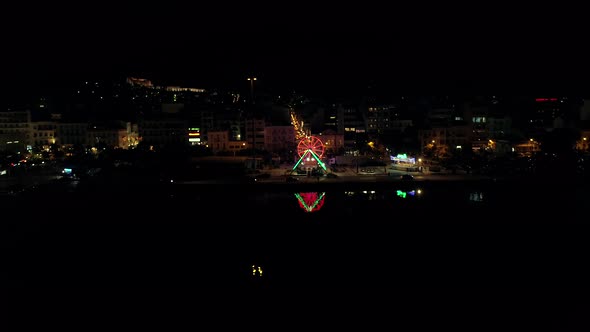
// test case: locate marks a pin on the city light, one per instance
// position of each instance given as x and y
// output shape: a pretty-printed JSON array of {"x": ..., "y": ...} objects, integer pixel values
[
  {"x": 310, "y": 202},
  {"x": 257, "y": 270},
  {"x": 403, "y": 158}
]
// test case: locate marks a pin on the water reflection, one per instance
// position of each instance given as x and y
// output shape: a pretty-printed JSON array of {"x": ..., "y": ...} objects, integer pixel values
[
  {"x": 476, "y": 196},
  {"x": 310, "y": 202},
  {"x": 404, "y": 194},
  {"x": 384, "y": 195}
]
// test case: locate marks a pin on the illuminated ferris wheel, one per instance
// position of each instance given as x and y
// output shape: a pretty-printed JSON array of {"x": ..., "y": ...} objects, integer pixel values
[
  {"x": 311, "y": 144},
  {"x": 311, "y": 149}
]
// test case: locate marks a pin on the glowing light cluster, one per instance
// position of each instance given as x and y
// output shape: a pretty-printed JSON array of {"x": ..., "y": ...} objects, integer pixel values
[
  {"x": 298, "y": 125},
  {"x": 404, "y": 194},
  {"x": 256, "y": 270},
  {"x": 308, "y": 152},
  {"x": 311, "y": 143},
  {"x": 310, "y": 202},
  {"x": 403, "y": 158},
  {"x": 310, "y": 146}
]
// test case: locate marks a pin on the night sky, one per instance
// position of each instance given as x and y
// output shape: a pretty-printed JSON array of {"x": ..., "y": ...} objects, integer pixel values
[{"x": 321, "y": 49}]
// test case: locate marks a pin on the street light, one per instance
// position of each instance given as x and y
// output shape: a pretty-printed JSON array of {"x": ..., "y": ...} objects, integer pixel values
[{"x": 252, "y": 79}]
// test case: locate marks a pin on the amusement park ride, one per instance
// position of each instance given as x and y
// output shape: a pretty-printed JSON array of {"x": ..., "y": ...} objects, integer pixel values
[{"x": 310, "y": 150}]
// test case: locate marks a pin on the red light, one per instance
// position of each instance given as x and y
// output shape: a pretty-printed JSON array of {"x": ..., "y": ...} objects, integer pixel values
[{"x": 545, "y": 99}]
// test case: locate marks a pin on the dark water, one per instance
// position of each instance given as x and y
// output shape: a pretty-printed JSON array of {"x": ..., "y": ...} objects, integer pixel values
[{"x": 525, "y": 234}]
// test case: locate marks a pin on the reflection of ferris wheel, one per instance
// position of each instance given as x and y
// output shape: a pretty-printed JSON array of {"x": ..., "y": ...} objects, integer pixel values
[
  {"x": 310, "y": 202},
  {"x": 310, "y": 143}
]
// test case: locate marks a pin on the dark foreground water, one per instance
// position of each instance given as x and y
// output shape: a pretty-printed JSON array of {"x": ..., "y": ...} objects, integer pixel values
[{"x": 520, "y": 234}]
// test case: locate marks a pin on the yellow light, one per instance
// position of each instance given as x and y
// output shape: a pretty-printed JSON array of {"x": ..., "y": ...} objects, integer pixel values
[
  {"x": 243, "y": 144},
  {"x": 257, "y": 269},
  {"x": 531, "y": 140},
  {"x": 419, "y": 160},
  {"x": 432, "y": 141},
  {"x": 584, "y": 138},
  {"x": 419, "y": 191}
]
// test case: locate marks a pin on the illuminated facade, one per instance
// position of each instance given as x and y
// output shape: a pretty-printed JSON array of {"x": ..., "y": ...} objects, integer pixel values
[
  {"x": 441, "y": 139},
  {"x": 163, "y": 130},
  {"x": 219, "y": 141},
  {"x": 351, "y": 124},
  {"x": 15, "y": 130},
  {"x": 379, "y": 118},
  {"x": 332, "y": 141},
  {"x": 548, "y": 113},
  {"x": 527, "y": 148},
  {"x": 194, "y": 136},
  {"x": 255, "y": 133},
  {"x": 277, "y": 138},
  {"x": 145, "y": 83},
  {"x": 72, "y": 133},
  {"x": 140, "y": 82},
  {"x": 107, "y": 137},
  {"x": 181, "y": 89},
  {"x": 43, "y": 133}
]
